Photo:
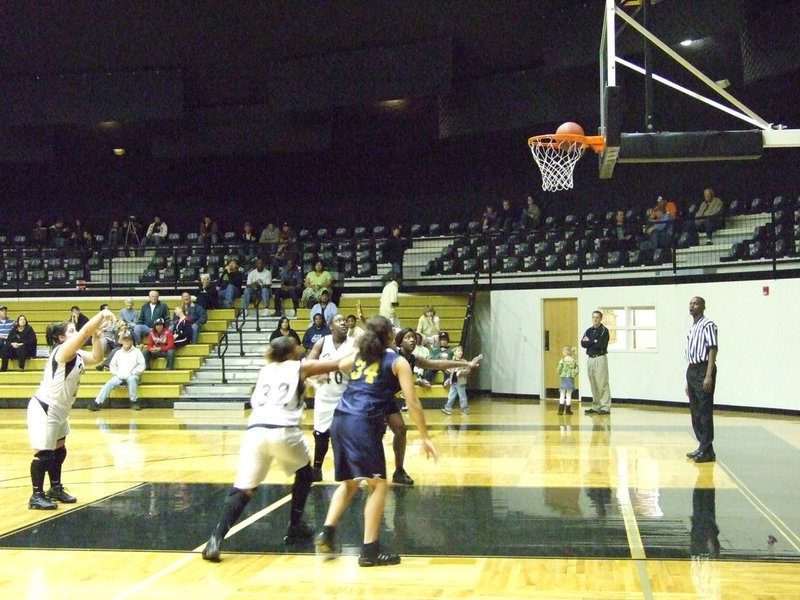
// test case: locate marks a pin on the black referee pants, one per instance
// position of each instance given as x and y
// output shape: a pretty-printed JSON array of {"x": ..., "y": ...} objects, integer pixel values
[{"x": 701, "y": 403}]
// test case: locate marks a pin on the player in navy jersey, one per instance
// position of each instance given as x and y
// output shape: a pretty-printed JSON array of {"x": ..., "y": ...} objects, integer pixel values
[
  {"x": 49, "y": 408},
  {"x": 376, "y": 372},
  {"x": 273, "y": 433}
]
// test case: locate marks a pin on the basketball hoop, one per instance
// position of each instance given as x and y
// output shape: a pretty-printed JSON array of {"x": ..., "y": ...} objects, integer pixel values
[{"x": 557, "y": 153}]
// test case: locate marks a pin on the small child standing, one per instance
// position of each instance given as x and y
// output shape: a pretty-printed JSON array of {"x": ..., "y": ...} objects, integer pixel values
[
  {"x": 457, "y": 380},
  {"x": 568, "y": 370}
]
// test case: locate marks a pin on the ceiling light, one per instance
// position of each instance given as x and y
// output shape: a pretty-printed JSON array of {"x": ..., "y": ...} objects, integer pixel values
[
  {"x": 687, "y": 42},
  {"x": 119, "y": 151}
]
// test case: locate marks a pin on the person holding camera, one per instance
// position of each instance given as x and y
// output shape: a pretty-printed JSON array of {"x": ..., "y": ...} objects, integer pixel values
[{"x": 259, "y": 281}]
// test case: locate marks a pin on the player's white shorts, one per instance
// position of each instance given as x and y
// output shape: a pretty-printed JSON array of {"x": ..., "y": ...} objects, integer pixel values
[
  {"x": 260, "y": 445},
  {"x": 323, "y": 412},
  {"x": 46, "y": 428}
]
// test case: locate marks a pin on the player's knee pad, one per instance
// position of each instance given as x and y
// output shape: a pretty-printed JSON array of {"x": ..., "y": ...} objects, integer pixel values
[{"x": 44, "y": 459}]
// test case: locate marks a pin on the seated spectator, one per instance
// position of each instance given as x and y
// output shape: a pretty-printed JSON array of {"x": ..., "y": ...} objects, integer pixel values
[
  {"x": 126, "y": 366},
  {"x": 181, "y": 328},
  {"x": 531, "y": 216},
  {"x": 58, "y": 234},
  {"x": 316, "y": 282},
  {"x": 119, "y": 328},
  {"x": 318, "y": 329},
  {"x": 421, "y": 352},
  {"x": 259, "y": 285},
  {"x": 77, "y": 317},
  {"x": 6, "y": 325},
  {"x": 160, "y": 344},
  {"x": 207, "y": 295},
  {"x": 488, "y": 218},
  {"x": 39, "y": 234},
  {"x": 324, "y": 307},
  {"x": 291, "y": 287},
  {"x": 428, "y": 326},
  {"x": 20, "y": 344},
  {"x": 441, "y": 351},
  {"x": 284, "y": 328},
  {"x": 128, "y": 314},
  {"x": 149, "y": 313},
  {"x": 660, "y": 231},
  {"x": 76, "y": 235},
  {"x": 286, "y": 247},
  {"x": 156, "y": 233},
  {"x": 209, "y": 231},
  {"x": 507, "y": 216},
  {"x": 666, "y": 207},
  {"x": 269, "y": 238},
  {"x": 621, "y": 235},
  {"x": 194, "y": 313},
  {"x": 248, "y": 240},
  {"x": 710, "y": 217},
  {"x": 108, "y": 336},
  {"x": 353, "y": 330},
  {"x": 230, "y": 284}
]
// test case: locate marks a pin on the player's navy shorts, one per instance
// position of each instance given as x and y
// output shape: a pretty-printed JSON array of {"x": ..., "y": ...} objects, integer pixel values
[{"x": 357, "y": 447}]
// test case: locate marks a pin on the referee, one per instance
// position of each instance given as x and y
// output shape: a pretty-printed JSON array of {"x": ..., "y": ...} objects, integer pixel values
[{"x": 701, "y": 378}]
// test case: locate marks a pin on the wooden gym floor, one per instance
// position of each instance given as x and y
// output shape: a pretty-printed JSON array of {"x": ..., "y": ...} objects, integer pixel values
[{"x": 522, "y": 504}]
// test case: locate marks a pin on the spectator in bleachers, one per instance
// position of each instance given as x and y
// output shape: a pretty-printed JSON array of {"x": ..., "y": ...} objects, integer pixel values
[
  {"x": 6, "y": 325},
  {"x": 156, "y": 233},
  {"x": 126, "y": 366},
  {"x": 76, "y": 235},
  {"x": 259, "y": 284},
  {"x": 488, "y": 218},
  {"x": 353, "y": 330},
  {"x": 129, "y": 314},
  {"x": 660, "y": 231},
  {"x": 77, "y": 318},
  {"x": 291, "y": 287},
  {"x": 284, "y": 328},
  {"x": 39, "y": 234},
  {"x": 710, "y": 217},
  {"x": 58, "y": 234},
  {"x": 230, "y": 284},
  {"x": 621, "y": 235},
  {"x": 666, "y": 207},
  {"x": 149, "y": 313},
  {"x": 317, "y": 281},
  {"x": 318, "y": 330},
  {"x": 531, "y": 216},
  {"x": 286, "y": 247},
  {"x": 324, "y": 307},
  {"x": 20, "y": 344},
  {"x": 507, "y": 216},
  {"x": 160, "y": 344},
  {"x": 118, "y": 329},
  {"x": 207, "y": 295},
  {"x": 116, "y": 235},
  {"x": 181, "y": 328},
  {"x": 441, "y": 351},
  {"x": 269, "y": 238},
  {"x": 393, "y": 250},
  {"x": 428, "y": 326},
  {"x": 195, "y": 313},
  {"x": 209, "y": 231},
  {"x": 390, "y": 299},
  {"x": 248, "y": 240}
]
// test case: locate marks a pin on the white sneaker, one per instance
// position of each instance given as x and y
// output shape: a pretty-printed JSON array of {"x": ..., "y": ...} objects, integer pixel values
[{"x": 447, "y": 411}]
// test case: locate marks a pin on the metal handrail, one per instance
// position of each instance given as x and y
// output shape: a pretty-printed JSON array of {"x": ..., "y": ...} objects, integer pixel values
[{"x": 222, "y": 349}]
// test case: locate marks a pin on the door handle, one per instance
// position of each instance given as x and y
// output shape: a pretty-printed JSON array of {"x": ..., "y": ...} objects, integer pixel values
[{"x": 547, "y": 340}]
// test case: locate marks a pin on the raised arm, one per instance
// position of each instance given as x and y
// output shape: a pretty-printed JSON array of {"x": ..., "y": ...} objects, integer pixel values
[
  {"x": 441, "y": 364},
  {"x": 92, "y": 329}
]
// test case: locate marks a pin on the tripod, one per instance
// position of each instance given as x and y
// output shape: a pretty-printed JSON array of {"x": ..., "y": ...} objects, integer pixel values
[{"x": 130, "y": 233}]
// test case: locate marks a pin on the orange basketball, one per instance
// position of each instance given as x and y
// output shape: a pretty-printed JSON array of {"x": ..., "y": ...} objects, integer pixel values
[{"x": 570, "y": 127}]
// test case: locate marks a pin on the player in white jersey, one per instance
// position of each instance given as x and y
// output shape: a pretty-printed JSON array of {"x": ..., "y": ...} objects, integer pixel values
[
  {"x": 273, "y": 433},
  {"x": 48, "y": 410},
  {"x": 334, "y": 346}
]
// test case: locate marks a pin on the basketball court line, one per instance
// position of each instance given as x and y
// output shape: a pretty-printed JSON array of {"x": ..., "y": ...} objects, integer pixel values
[
  {"x": 780, "y": 526},
  {"x": 193, "y": 555}
]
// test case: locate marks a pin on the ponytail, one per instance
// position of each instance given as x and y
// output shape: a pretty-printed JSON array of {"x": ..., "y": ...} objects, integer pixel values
[{"x": 55, "y": 331}]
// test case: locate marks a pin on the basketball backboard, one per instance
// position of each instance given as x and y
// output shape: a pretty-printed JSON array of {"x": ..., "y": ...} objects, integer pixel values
[{"x": 686, "y": 146}]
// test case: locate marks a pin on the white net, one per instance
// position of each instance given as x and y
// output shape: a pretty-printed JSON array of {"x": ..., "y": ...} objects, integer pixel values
[{"x": 556, "y": 159}]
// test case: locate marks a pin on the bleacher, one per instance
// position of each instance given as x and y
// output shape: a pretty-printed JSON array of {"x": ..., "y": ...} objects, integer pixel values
[{"x": 158, "y": 387}]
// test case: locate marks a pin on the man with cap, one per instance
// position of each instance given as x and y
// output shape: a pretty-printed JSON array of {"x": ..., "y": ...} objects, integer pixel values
[
  {"x": 127, "y": 366},
  {"x": 6, "y": 325},
  {"x": 160, "y": 344},
  {"x": 440, "y": 352}
]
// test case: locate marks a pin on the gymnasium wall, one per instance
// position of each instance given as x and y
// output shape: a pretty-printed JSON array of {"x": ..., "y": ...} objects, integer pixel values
[{"x": 757, "y": 362}]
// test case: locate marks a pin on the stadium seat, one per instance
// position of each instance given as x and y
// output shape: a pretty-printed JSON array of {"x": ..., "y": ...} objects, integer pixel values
[
  {"x": 94, "y": 263},
  {"x": 19, "y": 241},
  {"x": 341, "y": 233},
  {"x": 174, "y": 238},
  {"x": 616, "y": 258},
  {"x": 463, "y": 252},
  {"x": 532, "y": 263},
  {"x": 348, "y": 270},
  {"x": 213, "y": 261},
  {"x": 661, "y": 256},
  {"x": 757, "y": 250},
  {"x": 35, "y": 263},
  {"x": 470, "y": 266},
  {"x": 636, "y": 257},
  {"x": 363, "y": 256},
  {"x": 511, "y": 264},
  {"x": 434, "y": 229},
  {"x": 416, "y": 230},
  {"x": 456, "y": 228},
  {"x": 359, "y": 232},
  {"x": 735, "y": 207},
  {"x": 450, "y": 266},
  {"x": 473, "y": 227},
  {"x": 364, "y": 245},
  {"x": 193, "y": 238},
  {"x": 149, "y": 276},
  {"x": 784, "y": 247},
  {"x": 522, "y": 249},
  {"x": 482, "y": 251},
  {"x": 572, "y": 261},
  {"x": 379, "y": 231},
  {"x": 365, "y": 269},
  {"x": 189, "y": 274},
  {"x": 304, "y": 235},
  {"x": 58, "y": 276},
  {"x": 551, "y": 262},
  {"x": 494, "y": 264},
  {"x": 322, "y": 233},
  {"x": 37, "y": 276},
  {"x": 756, "y": 206},
  {"x": 737, "y": 252},
  {"x": 593, "y": 259}
]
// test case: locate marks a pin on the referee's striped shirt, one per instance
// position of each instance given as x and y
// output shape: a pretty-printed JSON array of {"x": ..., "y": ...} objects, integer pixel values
[{"x": 702, "y": 336}]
